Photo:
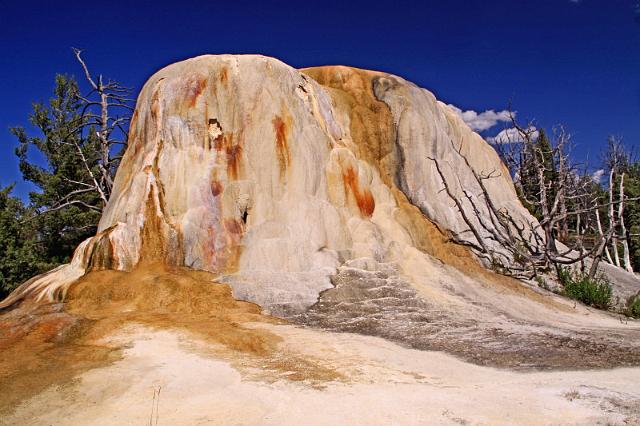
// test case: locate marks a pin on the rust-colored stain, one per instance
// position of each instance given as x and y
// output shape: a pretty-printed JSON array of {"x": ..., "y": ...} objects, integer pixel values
[
  {"x": 364, "y": 199},
  {"x": 221, "y": 140},
  {"x": 103, "y": 255},
  {"x": 224, "y": 75},
  {"x": 156, "y": 216},
  {"x": 210, "y": 254},
  {"x": 194, "y": 86},
  {"x": 281, "y": 128},
  {"x": 216, "y": 188},
  {"x": 234, "y": 226},
  {"x": 282, "y": 149},
  {"x": 371, "y": 127},
  {"x": 232, "y": 152}
]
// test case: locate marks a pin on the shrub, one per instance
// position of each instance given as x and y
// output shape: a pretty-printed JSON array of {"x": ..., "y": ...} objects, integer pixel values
[
  {"x": 633, "y": 306},
  {"x": 564, "y": 275},
  {"x": 594, "y": 292}
]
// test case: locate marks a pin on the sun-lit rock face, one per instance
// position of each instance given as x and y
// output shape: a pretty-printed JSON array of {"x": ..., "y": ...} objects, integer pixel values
[{"x": 272, "y": 178}]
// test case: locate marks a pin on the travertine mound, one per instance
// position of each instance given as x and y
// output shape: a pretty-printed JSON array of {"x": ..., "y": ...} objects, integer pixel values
[
  {"x": 272, "y": 178},
  {"x": 310, "y": 193}
]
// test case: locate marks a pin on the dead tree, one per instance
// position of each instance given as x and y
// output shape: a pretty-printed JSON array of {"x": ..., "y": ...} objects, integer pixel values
[
  {"x": 601, "y": 235},
  {"x": 105, "y": 113},
  {"x": 574, "y": 187},
  {"x": 623, "y": 228},
  {"x": 84, "y": 137},
  {"x": 558, "y": 190},
  {"x": 616, "y": 161},
  {"x": 562, "y": 193}
]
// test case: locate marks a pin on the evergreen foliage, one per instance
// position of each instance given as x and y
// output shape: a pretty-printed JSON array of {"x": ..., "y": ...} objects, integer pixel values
[{"x": 21, "y": 253}]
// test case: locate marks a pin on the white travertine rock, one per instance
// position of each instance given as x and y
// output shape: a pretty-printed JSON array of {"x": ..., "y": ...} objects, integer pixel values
[
  {"x": 272, "y": 177},
  {"x": 429, "y": 128}
]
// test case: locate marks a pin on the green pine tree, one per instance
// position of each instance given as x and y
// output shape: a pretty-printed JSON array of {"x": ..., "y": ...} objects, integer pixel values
[
  {"x": 68, "y": 209},
  {"x": 22, "y": 253},
  {"x": 632, "y": 213},
  {"x": 530, "y": 182}
]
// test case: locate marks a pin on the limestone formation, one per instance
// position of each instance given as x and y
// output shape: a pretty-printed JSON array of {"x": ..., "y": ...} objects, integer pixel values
[
  {"x": 311, "y": 193},
  {"x": 272, "y": 178}
]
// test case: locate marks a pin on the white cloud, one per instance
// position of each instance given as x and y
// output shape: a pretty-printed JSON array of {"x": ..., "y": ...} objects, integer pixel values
[
  {"x": 597, "y": 175},
  {"x": 481, "y": 121},
  {"x": 512, "y": 135}
]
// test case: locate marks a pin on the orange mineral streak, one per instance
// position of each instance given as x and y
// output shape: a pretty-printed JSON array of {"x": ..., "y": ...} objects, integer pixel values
[
  {"x": 234, "y": 156},
  {"x": 232, "y": 153},
  {"x": 224, "y": 75},
  {"x": 216, "y": 188},
  {"x": 153, "y": 246},
  {"x": 222, "y": 248},
  {"x": 281, "y": 129},
  {"x": 222, "y": 140},
  {"x": 364, "y": 198},
  {"x": 103, "y": 255},
  {"x": 193, "y": 88},
  {"x": 234, "y": 226},
  {"x": 374, "y": 134},
  {"x": 371, "y": 123}
]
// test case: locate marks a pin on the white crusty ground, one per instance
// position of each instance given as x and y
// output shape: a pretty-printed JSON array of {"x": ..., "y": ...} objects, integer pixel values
[{"x": 385, "y": 384}]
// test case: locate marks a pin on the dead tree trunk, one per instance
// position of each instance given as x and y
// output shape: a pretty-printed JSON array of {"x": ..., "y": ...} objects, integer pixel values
[
  {"x": 106, "y": 110},
  {"x": 623, "y": 229},
  {"x": 612, "y": 220},
  {"x": 606, "y": 249}
]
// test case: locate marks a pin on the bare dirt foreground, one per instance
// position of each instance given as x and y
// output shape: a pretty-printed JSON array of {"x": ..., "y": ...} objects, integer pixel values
[{"x": 166, "y": 346}]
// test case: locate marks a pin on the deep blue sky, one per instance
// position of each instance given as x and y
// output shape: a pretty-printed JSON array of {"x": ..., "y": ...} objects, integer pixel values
[{"x": 559, "y": 61}]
